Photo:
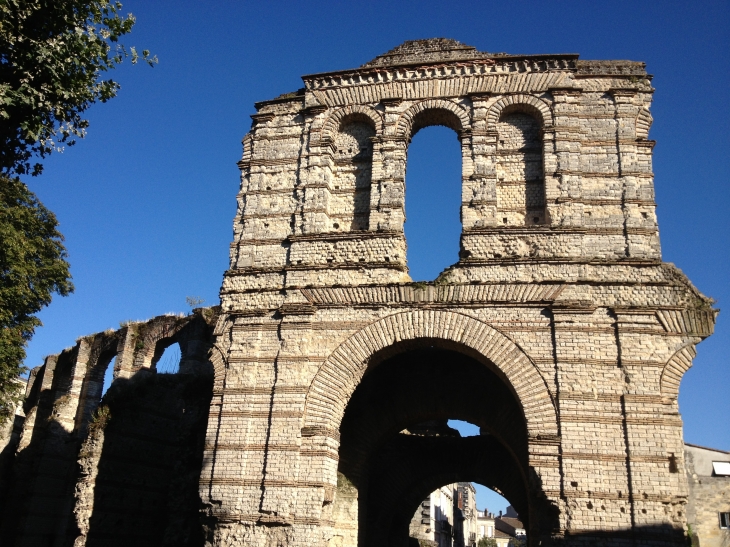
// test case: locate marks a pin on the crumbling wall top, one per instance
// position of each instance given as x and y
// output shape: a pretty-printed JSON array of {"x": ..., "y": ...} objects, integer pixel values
[{"x": 430, "y": 50}]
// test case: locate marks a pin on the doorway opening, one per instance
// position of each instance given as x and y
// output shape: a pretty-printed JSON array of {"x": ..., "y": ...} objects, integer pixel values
[
  {"x": 453, "y": 515},
  {"x": 397, "y": 447}
]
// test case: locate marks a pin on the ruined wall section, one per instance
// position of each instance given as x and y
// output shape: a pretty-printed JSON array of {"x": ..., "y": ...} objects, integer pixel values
[
  {"x": 566, "y": 300},
  {"x": 57, "y": 457},
  {"x": 585, "y": 174},
  {"x": 141, "y": 463},
  {"x": 594, "y": 330}
]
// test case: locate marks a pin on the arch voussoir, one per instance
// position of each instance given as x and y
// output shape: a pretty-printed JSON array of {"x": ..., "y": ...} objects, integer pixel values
[
  {"x": 530, "y": 102},
  {"x": 405, "y": 122},
  {"x": 355, "y": 354},
  {"x": 332, "y": 124},
  {"x": 674, "y": 370}
]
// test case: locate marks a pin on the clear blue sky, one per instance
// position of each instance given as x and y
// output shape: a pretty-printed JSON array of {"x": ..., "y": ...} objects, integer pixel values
[{"x": 146, "y": 201}]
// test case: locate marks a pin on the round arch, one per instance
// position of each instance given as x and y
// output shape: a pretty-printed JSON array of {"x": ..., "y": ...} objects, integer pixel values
[
  {"x": 674, "y": 370},
  {"x": 217, "y": 359},
  {"x": 405, "y": 126},
  {"x": 527, "y": 103},
  {"x": 341, "y": 373},
  {"x": 429, "y": 463},
  {"x": 332, "y": 124}
]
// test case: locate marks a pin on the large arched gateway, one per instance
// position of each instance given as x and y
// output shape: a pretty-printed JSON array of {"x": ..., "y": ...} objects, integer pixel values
[
  {"x": 559, "y": 333},
  {"x": 556, "y": 332}
]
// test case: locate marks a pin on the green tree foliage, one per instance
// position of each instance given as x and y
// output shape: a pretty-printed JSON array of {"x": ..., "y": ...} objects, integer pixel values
[
  {"x": 487, "y": 542},
  {"x": 52, "y": 57},
  {"x": 32, "y": 267}
]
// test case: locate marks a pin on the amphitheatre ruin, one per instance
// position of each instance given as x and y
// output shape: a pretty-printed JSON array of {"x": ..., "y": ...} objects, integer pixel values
[{"x": 559, "y": 332}]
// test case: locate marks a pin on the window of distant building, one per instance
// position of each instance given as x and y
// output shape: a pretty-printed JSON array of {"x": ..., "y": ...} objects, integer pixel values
[
  {"x": 724, "y": 520},
  {"x": 721, "y": 469}
]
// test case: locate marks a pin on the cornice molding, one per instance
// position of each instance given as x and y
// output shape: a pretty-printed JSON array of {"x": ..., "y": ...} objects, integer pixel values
[{"x": 445, "y": 69}]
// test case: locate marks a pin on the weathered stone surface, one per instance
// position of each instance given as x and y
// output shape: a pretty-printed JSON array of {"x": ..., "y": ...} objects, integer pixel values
[
  {"x": 559, "y": 332},
  {"x": 709, "y": 496},
  {"x": 559, "y": 306},
  {"x": 122, "y": 470}
]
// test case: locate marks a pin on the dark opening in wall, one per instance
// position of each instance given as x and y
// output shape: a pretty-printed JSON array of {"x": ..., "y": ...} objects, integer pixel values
[
  {"x": 673, "y": 467},
  {"x": 433, "y": 202},
  {"x": 400, "y": 434}
]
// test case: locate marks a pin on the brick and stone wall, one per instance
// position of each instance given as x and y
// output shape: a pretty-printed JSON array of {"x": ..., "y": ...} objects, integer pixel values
[
  {"x": 118, "y": 470},
  {"x": 559, "y": 332},
  {"x": 709, "y": 495},
  {"x": 560, "y": 292}
]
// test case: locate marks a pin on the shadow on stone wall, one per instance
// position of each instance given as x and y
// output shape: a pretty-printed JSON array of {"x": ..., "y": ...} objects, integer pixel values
[
  {"x": 660, "y": 535},
  {"x": 133, "y": 481},
  {"x": 39, "y": 496},
  {"x": 148, "y": 451},
  {"x": 642, "y": 536},
  {"x": 118, "y": 470}
]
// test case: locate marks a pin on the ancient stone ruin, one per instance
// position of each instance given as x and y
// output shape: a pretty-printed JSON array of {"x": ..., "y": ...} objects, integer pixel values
[{"x": 559, "y": 332}]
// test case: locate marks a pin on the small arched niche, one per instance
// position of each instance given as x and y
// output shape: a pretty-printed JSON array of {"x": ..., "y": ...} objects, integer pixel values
[
  {"x": 349, "y": 206},
  {"x": 519, "y": 166}
]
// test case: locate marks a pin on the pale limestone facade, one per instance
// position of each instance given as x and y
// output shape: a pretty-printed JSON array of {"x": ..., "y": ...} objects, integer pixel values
[
  {"x": 560, "y": 296},
  {"x": 434, "y": 521},
  {"x": 709, "y": 496},
  {"x": 559, "y": 332},
  {"x": 485, "y": 524},
  {"x": 466, "y": 516}
]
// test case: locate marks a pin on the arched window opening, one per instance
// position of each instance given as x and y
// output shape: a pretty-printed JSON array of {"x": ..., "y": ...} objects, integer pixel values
[
  {"x": 463, "y": 514},
  {"x": 95, "y": 385},
  {"x": 169, "y": 360},
  {"x": 108, "y": 376},
  {"x": 349, "y": 207},
  {"x": 433, "y": 201},
  {"x": 520, "y": 174}
]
